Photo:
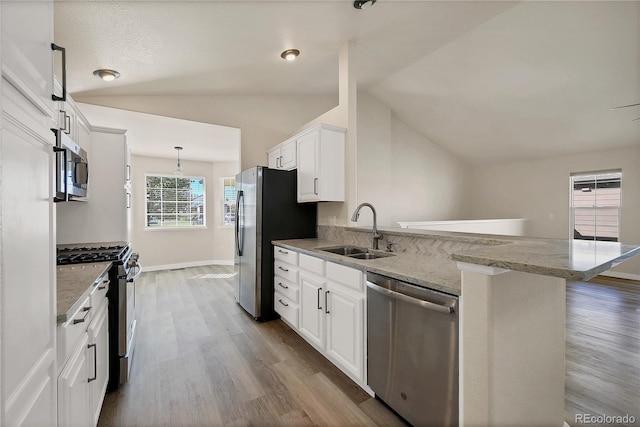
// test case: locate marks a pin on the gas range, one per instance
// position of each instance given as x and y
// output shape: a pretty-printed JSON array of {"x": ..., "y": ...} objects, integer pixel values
[
  {"x": 85, "y": 253},
  {"x": 124, "y": 270}
]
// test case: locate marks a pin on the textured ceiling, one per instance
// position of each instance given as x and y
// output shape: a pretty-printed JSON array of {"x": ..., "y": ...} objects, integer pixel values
[{"x": 486, "y": 80}]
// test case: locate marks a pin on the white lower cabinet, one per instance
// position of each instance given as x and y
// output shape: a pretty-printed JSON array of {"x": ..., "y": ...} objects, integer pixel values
[
  {"x": 312, "y": 316},
  {"x": 83, "y": 349},
  {"x": 98, "y": 334},
  {"x": 73, "y": 388},
  {"x": 285, "y": 281},
  {"x": 345, "y": 329},
  {"x": 332, "y": 312}
]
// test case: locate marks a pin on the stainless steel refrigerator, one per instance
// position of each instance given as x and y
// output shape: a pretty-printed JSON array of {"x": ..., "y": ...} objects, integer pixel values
[{"x": 266, "y": 210}]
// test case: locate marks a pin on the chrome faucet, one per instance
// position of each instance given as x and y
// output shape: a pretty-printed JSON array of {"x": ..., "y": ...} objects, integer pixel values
[{"x": 374, "y": 232}]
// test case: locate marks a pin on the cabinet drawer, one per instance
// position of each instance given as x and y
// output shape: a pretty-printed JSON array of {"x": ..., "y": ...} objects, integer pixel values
[
  {"x": 349, "y": 277},
  {"x": 99, "y": 292},
  {"x": 312, "y": 264},
  {"x": 286, "y": 288},
  {"x": 285, "y": 255},
  {"x": 70, "y": 332},
  {"x": 286, "y": 309},
  {"x": 286, "y": 271}
]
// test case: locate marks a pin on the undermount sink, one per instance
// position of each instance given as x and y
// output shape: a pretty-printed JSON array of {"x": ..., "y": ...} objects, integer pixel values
[
  {"x": 345, "y": 250},
  {"x": 370, "y": 255},
  {"x": 356, "y": 252}
]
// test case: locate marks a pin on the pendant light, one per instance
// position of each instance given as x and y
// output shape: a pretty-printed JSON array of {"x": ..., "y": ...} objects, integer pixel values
[{"x": 178, "y": 167}]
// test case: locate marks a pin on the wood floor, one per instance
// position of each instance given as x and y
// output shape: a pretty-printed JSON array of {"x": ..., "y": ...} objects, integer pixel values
[
  {"x": 202, "y": 361},
  {"x": 603, "y": 349}
]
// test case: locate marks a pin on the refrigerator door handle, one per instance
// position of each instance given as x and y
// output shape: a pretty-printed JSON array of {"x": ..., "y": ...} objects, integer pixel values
[{"x": 239, "y": 195}]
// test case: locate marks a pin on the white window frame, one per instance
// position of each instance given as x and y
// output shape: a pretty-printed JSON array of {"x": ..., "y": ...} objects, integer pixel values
[
  {"x": 177, "y": 227},
  {"x": 223, "y": 203},
  {"x": 597, "y": 206}
]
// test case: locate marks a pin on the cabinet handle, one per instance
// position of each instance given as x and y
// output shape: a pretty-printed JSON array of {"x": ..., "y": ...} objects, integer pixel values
[
  {"x": 67, "y": 124},
  {"x": 315, "y": 186},
  {"x": 66, "y": 127},
  {"x": 128, "y": 172},
  {"x": 283, "y": 286},
  {"x": 281, "y": 162},
  {"x": 104, "y": 286},
  {"x": 282, "y": 268},
  {"x": 86, "y": 310},
  {"x": 55, "y": 97},
  {"x": 128, "y": 200},
  {"x": 283, "y": 252},
  {"x": 95, "y": 362},
  {"x": 283, "y": 303},
  {"x": 319, "y": 292},
  {"x": 325, "y": 302}
]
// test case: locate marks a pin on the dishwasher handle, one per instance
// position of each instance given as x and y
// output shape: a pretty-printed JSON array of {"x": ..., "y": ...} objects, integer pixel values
[{"x": 405, "y": 298}]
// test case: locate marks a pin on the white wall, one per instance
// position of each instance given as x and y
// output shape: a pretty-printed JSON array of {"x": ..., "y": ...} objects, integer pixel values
[
  {"x": 172, "y": 248},
  {"x": 403, "y": 174},
  {"x": 539, "y": 190},
  {"x": 265, "y": 121}
]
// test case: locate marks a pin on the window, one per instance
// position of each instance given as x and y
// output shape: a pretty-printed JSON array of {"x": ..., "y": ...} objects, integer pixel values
[
  {"x": 595, "y": 205},
  {"x": 228, "y": 201},
  {"x": 175, "y": 202}
]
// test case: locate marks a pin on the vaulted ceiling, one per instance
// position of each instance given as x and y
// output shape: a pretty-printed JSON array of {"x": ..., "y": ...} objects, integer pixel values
[{"x": 486, "y": 80}]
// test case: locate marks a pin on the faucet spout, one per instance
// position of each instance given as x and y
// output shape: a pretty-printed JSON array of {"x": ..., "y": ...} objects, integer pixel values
[{"x": 375, "y": 237}]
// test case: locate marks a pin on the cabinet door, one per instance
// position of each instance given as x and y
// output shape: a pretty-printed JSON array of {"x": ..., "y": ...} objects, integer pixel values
[
  {"x": 308, "y": 185},
  {"x": 27, "y": 226},
  {"x": 274, "y": 158},
  {"x": 345, "y": 329},
  {"x": 312, "y": 309},
  {"x": 73, "y": 389},
  {"x": 27, "y": 34},
  {"x": 98, "y": 353},
  {"x": 71, "y": 122},
  {"x": 288, "y": 155}
]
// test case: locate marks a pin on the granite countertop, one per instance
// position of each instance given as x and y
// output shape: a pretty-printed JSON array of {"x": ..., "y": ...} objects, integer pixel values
[
  {"x": 74, "y": 283},
  {"x": 430, "y": 272},
  {"x": 569, "y": 259}
]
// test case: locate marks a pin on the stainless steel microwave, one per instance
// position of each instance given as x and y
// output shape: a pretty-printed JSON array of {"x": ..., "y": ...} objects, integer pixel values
[{"x": 72, "y": 168}]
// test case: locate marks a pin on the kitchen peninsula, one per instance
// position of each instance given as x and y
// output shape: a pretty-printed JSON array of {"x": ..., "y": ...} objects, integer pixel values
[{"x": 512, "y": 308}]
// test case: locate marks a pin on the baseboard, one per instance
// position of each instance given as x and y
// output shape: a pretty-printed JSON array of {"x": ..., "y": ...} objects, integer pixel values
[
  {"x": 187, "y": 264},
  {"x": 619, "y": 275}
]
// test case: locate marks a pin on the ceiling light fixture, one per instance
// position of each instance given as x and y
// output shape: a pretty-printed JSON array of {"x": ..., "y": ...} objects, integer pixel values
[
  {"x": 106, "y": 75},
  {"x": 290, "y": 54},
  {"x": 178, "y": 167},
  {"x": 363, "y": 4}
]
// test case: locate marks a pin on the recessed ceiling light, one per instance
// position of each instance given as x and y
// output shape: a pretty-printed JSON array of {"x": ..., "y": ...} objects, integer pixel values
[
  {"x": 106, "y": 75},
  {"x": 363, "y": 4},
  {"x": 290, "y": 54}
]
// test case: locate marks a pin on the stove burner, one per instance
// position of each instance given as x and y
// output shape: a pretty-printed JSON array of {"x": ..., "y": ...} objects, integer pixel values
[{"x": 79, "y": 255}]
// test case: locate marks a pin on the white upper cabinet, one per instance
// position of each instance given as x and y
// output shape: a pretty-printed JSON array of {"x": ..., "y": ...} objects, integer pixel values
[
  {"x": 71, "y": 120},
  {"x": 27, "y": 35},
  {"x": 321, "y": 164},
  {"x": 283, "y": 156}
]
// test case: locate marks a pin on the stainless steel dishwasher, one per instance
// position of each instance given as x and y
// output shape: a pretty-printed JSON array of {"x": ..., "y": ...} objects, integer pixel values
[{"x": 412, "y": 343}]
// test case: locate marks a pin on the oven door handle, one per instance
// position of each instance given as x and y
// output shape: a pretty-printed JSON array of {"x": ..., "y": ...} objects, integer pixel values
[{"x": 138, "y": 269}]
